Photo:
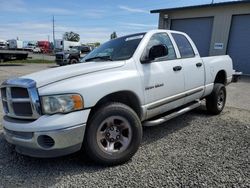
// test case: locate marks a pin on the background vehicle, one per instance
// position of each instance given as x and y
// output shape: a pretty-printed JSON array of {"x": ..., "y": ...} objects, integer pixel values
[
  {"x": 63, "y": 45},
  {"x": 71, "y": 56},
  {"x": 3, "y": 44},
  {"x": 100, "y": 107},
  {"x": 15, "y": 44},
  {"x": 29, "y": 45},
  {"x": 44, "y": 46},
  {"x": 12, "y": 54},
  {"x": 37, "y": 50}
]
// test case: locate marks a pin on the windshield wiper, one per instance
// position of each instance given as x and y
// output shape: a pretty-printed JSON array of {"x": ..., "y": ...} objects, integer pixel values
[{"x": 107, "y": 58}]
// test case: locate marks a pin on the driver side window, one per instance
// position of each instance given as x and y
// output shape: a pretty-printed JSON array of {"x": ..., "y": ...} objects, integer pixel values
[{"x": 162, "y": 39}]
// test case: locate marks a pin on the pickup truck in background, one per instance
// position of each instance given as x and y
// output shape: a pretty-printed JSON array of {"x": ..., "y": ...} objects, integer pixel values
[
  {"x": 101, "y": 105},
  {"x": 71, "y": 56}
]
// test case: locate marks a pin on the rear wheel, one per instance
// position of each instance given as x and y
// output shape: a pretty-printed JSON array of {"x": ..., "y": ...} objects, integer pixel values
[
  {"x": 216, "y": 101},
  {"x": 113, "y": 134}
]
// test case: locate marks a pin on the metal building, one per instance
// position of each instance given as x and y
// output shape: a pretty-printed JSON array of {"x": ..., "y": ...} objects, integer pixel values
[{"x": 217, "y": 29}]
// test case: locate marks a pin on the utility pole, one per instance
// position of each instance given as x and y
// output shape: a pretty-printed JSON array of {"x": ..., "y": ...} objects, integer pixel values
[
  {"x": 212, "y": 2},
  {"x": 53, "y": 30}
]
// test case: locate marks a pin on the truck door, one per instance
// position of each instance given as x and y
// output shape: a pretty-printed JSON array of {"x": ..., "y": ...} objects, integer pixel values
[
  {"x": 163, "y": 78},
  {"x": 193, "y": 67}
]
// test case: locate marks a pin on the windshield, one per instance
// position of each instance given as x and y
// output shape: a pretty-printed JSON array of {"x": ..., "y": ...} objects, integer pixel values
[{"x": 121, "y": 48}]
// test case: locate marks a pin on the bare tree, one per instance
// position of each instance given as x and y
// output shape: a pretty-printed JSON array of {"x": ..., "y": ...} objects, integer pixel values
[{"x": 113, "y": 35}]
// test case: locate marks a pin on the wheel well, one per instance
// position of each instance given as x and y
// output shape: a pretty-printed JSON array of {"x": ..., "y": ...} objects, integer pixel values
[
  {"x": 221, "y": 77},
  {"x": 125, "y": 97}
]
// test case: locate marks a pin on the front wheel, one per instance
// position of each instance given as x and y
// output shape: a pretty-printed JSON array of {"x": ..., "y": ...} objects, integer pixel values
[
  {"x": 216, "y": 101},
  {"x": 73, "y": 61},
  {"x": 113, "y": 134}
]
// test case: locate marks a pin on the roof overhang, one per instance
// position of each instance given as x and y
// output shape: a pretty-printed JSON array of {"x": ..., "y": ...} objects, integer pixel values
[{"x": 201, "y": 6}]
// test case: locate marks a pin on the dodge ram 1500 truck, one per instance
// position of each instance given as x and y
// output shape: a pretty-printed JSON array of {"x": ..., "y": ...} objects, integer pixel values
[{"x": 100, "y": 106}]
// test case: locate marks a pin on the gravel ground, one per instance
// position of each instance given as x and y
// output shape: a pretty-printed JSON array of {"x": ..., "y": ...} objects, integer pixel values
[{"x": 193, "y": 150}]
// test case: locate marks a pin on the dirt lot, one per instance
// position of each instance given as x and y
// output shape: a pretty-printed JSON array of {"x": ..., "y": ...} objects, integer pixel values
[
  {"x": 42, "y": 56},
  {"x": 194, "y": 150}
]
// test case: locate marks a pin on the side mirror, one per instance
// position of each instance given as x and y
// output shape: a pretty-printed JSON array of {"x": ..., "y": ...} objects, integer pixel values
[{"x": 155, "y": 52}]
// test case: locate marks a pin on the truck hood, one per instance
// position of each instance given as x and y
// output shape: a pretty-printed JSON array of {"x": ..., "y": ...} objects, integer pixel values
[{"x": 52, "y": 75}]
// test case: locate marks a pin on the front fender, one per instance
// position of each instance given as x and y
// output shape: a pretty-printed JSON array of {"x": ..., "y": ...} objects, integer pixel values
[{"x": 95, "y": 86}]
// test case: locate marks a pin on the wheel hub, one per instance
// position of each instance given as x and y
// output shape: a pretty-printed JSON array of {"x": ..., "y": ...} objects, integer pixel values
[
  {"x": 221, "y": 99},
  {"x": 113, "y": 134}
]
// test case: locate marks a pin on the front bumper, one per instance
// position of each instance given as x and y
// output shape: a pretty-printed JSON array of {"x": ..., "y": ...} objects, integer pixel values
[
  {"x": 56, "y": 143},
  {"x": 48, "y": 136}
]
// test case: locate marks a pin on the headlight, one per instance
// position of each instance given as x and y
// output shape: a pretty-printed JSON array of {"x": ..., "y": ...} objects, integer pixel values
[
  {"x": 66, "y": 56},
  {"x": 62, "y": 103}
]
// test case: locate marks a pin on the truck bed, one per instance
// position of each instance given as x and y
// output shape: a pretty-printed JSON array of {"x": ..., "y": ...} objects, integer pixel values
[
  {"x": 212, "y": 66},
  {"x": 13, "y": 54}
]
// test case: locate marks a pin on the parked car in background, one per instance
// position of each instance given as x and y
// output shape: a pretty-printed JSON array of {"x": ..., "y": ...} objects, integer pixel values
[
  {"x": 71, "y": 56},
  {"x": 100, "y": 107},
  {"x": 37, "y": 50}
]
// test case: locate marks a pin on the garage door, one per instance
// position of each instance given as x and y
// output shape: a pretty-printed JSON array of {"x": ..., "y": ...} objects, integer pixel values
[
  {"x": 239, "y": 43},
  {"x": 199, "y": 29}
]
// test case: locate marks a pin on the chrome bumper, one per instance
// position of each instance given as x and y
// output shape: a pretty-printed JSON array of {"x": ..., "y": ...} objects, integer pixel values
[{"x": 46, "y": 144}]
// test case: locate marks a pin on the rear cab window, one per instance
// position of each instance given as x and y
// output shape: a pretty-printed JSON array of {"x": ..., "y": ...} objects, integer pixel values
[{"x": 184, "y": 46}]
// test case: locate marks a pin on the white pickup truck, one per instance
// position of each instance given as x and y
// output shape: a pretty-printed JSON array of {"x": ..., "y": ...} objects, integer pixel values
[{"x": 99, "y": 106}]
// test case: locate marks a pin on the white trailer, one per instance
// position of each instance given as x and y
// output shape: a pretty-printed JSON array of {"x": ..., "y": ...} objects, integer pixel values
[
  {"x": 15, "y": 44},
  {"x": 64, "y": 45}
]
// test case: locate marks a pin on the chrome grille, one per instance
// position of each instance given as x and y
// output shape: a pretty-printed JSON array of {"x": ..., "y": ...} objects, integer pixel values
[{"x": 20, "y": 99}]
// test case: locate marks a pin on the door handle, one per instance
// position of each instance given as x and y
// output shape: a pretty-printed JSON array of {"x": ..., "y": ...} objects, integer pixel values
[
  {"x": 198, "y": 64},
  {"x": 177, "y": 68}
]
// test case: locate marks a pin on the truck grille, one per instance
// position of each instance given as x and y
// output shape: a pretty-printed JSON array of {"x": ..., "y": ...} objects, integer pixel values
[
  {"x": 59, "y": 56},
  {"x": 20, "y": 99}
]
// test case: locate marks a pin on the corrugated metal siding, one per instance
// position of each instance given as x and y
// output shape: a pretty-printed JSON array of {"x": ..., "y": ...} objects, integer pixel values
[
  {"x": 239, "y": 43},
  {"x": 199, "y": 29}
]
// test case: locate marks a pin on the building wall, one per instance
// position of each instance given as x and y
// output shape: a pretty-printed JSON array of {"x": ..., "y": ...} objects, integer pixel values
[{"x": 221, "y": 26}]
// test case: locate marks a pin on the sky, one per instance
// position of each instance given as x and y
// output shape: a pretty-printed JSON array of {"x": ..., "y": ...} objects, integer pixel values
[{"x": 94, "y": 20}]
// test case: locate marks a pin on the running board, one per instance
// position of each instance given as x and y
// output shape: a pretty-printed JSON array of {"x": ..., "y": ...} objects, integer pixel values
[{"x": 172, "y": 115}]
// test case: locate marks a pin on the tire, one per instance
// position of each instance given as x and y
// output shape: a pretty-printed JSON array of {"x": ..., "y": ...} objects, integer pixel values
[
  {"x": 113, "y": 134},
  {"x": 73, "y": 61},
  {"x": 216, "y": 101}
]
